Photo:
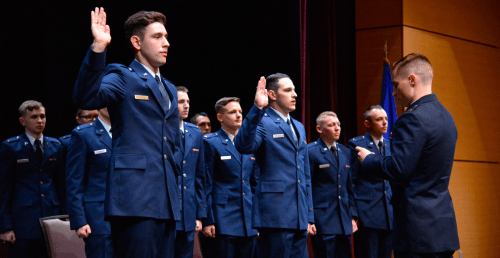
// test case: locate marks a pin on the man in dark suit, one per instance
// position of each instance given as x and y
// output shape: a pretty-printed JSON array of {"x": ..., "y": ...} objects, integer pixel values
[
  {"x": 142, "y": 200},
  {"x": 203, "y": 122},
  {"x": 30, "y": 183},
  {"x": 372, "y": 194},
  {"x": 423, "y": 148},
  {"x": 191, "y": 182},
  {"x": 232, "y": 178},
  {"x": 86, "y": 170},
  {"x": 283, "y": 211},
  {"x": 333, "y": 200}
]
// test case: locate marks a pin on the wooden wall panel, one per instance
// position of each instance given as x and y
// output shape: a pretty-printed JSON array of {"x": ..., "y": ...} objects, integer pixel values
[
  {"x": 474, "y": 190},
  {"x": 375, "y": 14},
  {"x": 476, "y": 20},
  {"x": 465, "y": 81},
  {"x": 369, "y": 66}
]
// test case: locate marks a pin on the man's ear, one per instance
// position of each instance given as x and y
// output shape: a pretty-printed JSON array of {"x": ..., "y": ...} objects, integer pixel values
[
  {"x": 272, "y": 95},
  {"x": 219, "y": 117},
  {"x": 136, "y": 42},
  {"x": 367, "y": 123},
  {"x": 21, "y": 120},
  {"x": 318, "y": 129},
  {"x": 412, "y": 79}
]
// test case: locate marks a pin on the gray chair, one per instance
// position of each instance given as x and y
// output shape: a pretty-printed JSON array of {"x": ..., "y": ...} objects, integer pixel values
[{"x": 60, "y": 239}]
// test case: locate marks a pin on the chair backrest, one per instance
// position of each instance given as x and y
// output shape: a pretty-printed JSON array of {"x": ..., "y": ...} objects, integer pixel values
[{"x": 60, "y": 239}]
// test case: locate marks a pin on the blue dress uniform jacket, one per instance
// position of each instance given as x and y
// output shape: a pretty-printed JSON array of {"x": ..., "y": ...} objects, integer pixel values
[
  {"x": 372, "y": 194},
  {"x": 423, "y": 148},
  {"x": 283, "y": 196},
  {"x": 142, "y": 178},
  {"x": 86, "y": 170},
  {"x": 28, "y": 190},
  {"x": 332, "y": 193},
  {"x": 192, "y": 180},
  {"x": 231, "y": 181}
]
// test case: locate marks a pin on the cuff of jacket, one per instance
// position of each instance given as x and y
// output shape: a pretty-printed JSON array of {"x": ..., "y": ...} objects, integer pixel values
[
  {"x": 96, "y": 61},
  {"x": 77, "y": 221}
]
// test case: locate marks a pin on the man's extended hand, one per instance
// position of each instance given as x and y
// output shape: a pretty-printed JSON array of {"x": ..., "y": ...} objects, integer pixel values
[
  {"x": 8, "y": 236},
  {"x": 362, "y": 153},
  {"x": 311, "y": 229},
  {"x": 83, "y": 231},
  {"x": 261, "y": 100},
  {"x": 100, "y": 31},
  {"x": 198, "y": 227},
  {"x": 209, "y": 231},
  {"x": 354, "y": 226}
]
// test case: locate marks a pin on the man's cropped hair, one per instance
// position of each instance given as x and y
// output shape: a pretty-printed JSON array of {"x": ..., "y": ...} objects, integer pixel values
[
  {"x": 221, "y": 103},
  {"x": 194, "y": 119},
  {"x": 272, "y": 81},
  {"x": 368, "y": 111},
  {"x": 136, "y": 23},
  {"x": 323, "y": 116},
  {"x": 29, "y": 105},
  {"x": 181, "y": 89},
  {"x": 417, "y": 64}
]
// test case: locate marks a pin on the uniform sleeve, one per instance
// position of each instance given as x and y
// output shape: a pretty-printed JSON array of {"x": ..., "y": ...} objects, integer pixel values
[
  {"x": 60, "y": 178},
  {"x": 307, "y": 166},
  {"x": 200, "y": 181},
  {"x": 209, "y": 167},
  {"x": 252, "y": 133},
  {"x": 7, "y": 164},
  {"x": 354, "y": 162},
  {"x": 350, "y": 193},
  {"x": 254, "y": 177},
  {"x": 75, "y": 175}
]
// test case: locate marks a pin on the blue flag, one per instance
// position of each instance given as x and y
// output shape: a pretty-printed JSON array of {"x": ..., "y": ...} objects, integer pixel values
[{"x": 388, "y": 102}]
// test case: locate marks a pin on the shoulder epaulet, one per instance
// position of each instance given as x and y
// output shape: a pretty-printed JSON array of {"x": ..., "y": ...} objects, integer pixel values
[
  {"x": 210, "y": 135},
  {"x": 188, "y": 124},
  {"x": 413, "y": 108},
  {"x": 66, "y": 136},
  {"x": 50, "y": 139},
  {"x": 80, "y": 127},
  {"x": 313, "y": 144},
  {"x": 359, "y": 138},
  {"x": 13, "y": 139}
]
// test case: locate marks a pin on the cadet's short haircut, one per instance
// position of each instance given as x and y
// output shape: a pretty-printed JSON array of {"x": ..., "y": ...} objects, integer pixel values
[
  {"x": 194, "y": 119},
  {"x": 181, "y": 89},
  {"x": 221, "y": 103},
  {"x": 323, "y": 116},
  {"x": 417, "y": 64},
  {"x": 135, "y": 24},
  {"x": 368, "y": 111},
  {"x": 29, "y": 105},
  {"x": 272, "y": 81}
]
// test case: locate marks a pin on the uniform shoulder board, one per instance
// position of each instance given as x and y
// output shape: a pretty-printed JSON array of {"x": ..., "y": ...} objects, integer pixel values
[
  {"x": 50, "y": 139},
  {"x": 81, "y": 127},
  {"x": 13, "y": 139},
  {"x": 313, "y": 144},
  {"x": 187, "y": 124},
  {"x": 210, "y": 135},
  {"x": 66, "y": 136},
  {"x": 359, "y": 138}
]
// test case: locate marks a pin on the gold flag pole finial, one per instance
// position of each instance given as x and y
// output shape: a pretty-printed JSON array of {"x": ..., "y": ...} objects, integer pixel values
[{"x": 386, "y": 51}]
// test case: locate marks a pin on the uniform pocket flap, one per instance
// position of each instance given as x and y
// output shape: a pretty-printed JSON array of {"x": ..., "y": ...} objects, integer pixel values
[
  {"x": 272, "y": 186},
  {"x": 362, "y": 195},
  {"x": 132, "y": 161},
  {"x": 219, "y": 199},
  {"x": 93, "y": 196}
]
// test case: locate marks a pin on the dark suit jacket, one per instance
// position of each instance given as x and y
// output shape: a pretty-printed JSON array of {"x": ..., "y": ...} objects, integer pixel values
[
  {"x": 332, "y": 193},
  {"x": 283, "y": 197},
  {"x": 86, "y": 170},
  {"x": 423, "y": 148},
  {"x": 28, "y": 190},
  {"x": 231, "y": 181},
  {"x": 372, "y": 194},
  {"x": 142, "y": 179},
  {"x": 192, "y": 180}
]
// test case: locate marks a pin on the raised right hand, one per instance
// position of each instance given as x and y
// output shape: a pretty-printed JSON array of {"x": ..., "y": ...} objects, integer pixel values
[
  {"x": 261, "y": 100},
  {"x": 83, "y": 231},
  {"x": 100, "y": 31},
  {"x": 8, "y": 236}
]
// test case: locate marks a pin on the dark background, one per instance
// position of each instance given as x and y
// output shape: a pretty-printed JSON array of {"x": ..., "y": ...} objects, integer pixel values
[{"x": 218, "y": 49}]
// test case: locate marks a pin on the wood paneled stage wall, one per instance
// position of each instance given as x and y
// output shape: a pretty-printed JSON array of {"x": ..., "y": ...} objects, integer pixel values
[{"x": 462, "y": 41}]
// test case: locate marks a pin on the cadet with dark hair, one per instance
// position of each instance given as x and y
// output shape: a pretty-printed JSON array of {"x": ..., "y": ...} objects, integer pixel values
[
  {"x": 203, "y": 122},
  {"x": 142, "y": 200},
  {"x": 31, "y": 182},
  {"x": 423, "y": 147}
]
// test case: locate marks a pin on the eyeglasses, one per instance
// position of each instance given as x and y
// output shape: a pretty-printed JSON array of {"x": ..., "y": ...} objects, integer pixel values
[{"x": 89, "y": 117}]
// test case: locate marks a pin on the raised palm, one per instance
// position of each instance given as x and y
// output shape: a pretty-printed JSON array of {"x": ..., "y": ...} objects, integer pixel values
[
  {"x": 261, "y": 99},
  {"x": 100, "y": 31}
]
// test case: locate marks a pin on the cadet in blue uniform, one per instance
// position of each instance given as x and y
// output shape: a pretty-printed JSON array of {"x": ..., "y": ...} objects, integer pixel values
[
  {"x": 192, "y": 180},
  {"x": 31, "y": 182},
  {"x": 232, "y": 178},
  {"x": 282, "y": 211},
  {"x": 422, "y": 147},
  {"x": 203, "y": 122},
  {"x": 86, "y": 170},
  {"x": 372, "y": 194},
  {"x": 332, "y": 193},
  {"x": 142, "y": 200}
]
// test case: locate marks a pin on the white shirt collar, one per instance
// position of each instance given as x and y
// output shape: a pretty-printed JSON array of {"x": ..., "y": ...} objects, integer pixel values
[
  {"x": 182, "y": 126},
  {"x": 149, "y": 70},
  {"x": 281, "y": 115},
  {"x": 231, "y": 137},
  {"x": 32, "y": 140},
  {"x": 330, "y": 146},
  {"x": 106, "y": 127}
]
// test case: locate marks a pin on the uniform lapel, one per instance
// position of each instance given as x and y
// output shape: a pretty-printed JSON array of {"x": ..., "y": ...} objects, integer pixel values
[
  {"x": 188, "y": 140},
  {"x": 102, "y": 134},
  {"x": 283, "y": 125},
  {"x": 328, "y": 154},
  {"x": 370, "y": 144},
  {"x": 229, "y": 145},
  {"x": 173, "y": 98},
  {"x": 28, "y": 149},
  {"x": 47, "y": 150},
  {"x": 150, "y": 83}
]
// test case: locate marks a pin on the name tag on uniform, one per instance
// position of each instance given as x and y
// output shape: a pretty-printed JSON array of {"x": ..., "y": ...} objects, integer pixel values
[
  {"x": 280, "y": 135},
  {"x": 324, "y": 166},
  {"x": 225, "y": 157},
  {"x": 23, "y": 160},
  {"x": 100, "y": 151},
  {"x": 196, "y": 150},
  {"x": 141, "y": 97}
]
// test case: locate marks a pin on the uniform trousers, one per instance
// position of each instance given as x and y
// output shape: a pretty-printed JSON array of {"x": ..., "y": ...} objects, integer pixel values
[
  {"x": 329, "y": 246},
  {"x": 372, "y": 243},
  {"x": 282, "y": 243}
]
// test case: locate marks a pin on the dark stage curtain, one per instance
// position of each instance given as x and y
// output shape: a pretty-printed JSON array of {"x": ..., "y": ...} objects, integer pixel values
[{"x": 328, "y": 68}]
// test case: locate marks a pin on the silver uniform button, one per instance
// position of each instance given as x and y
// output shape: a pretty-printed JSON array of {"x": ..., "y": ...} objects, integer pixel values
[
  {"x": 184, "y": 175},
  {"x": 340, "y": 197},
  {"x": 165, "y": 157},
  {"x": 298, "y": 181},
  {"x": 243, "y": 194},
  {"x": 243, "y": 182},
  {"x": 184, "y": 162},
  {"x": 339, "y": 176},
  {"x": 43, "y": 195},
  {"x": 185, "y": 188},
  {"x": 340, "y": 186},
  {"x": 298, "y": 167},
  {"x": 165, "y": 138},
  {"x": 41, "y": 182}
]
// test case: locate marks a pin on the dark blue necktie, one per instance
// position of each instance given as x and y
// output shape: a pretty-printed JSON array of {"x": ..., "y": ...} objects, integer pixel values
[
  {"x": 164, "y": 94},
  {"x": 289, "y": 122},
  {"x": 182, "y": 140},
  {"x": 38, "y": 151},
  {"x": 335, "y": 153},
  {"x": 381, "y": 148}
]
